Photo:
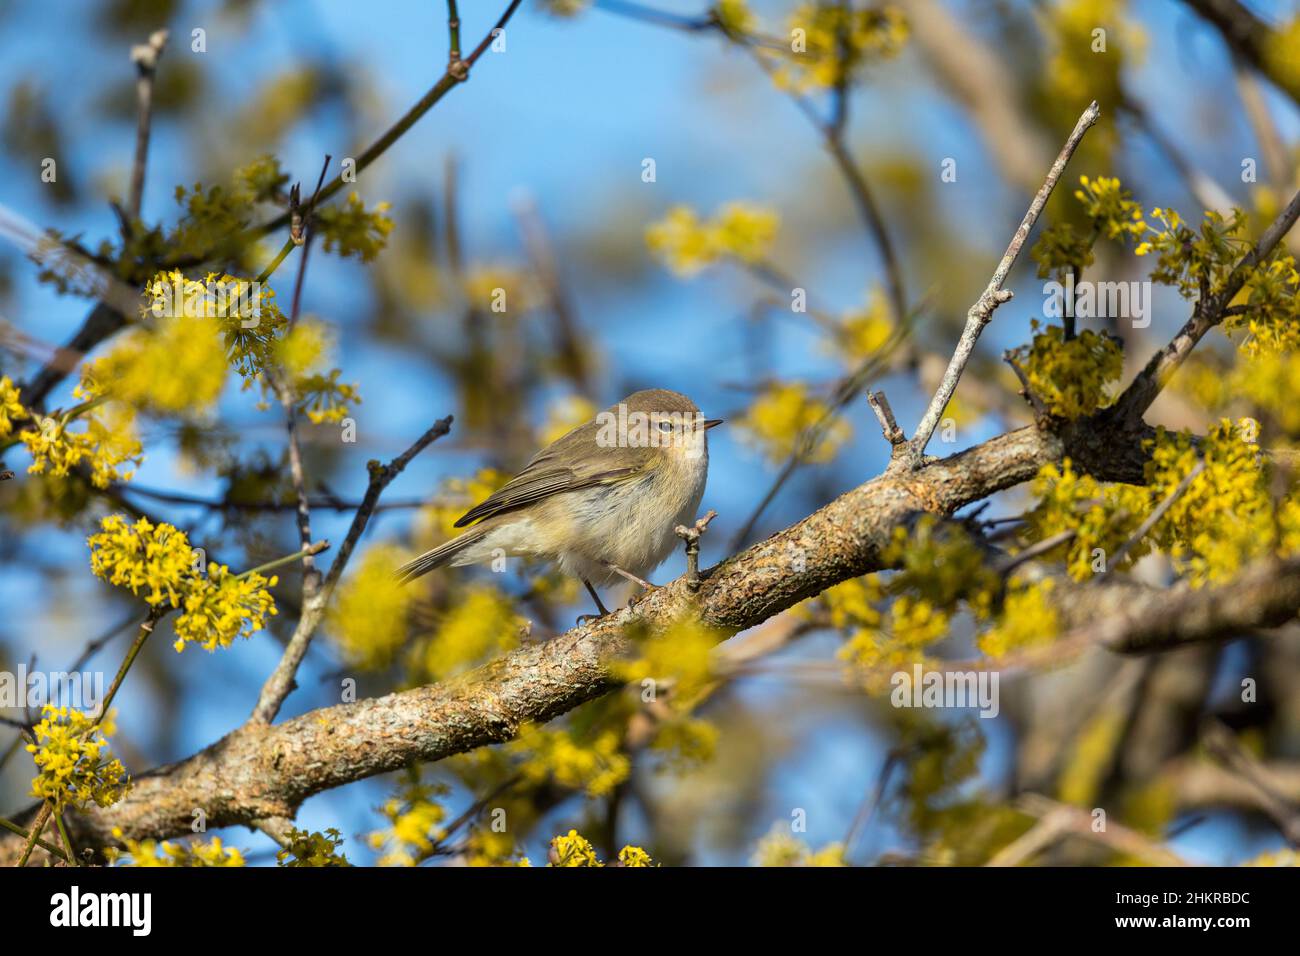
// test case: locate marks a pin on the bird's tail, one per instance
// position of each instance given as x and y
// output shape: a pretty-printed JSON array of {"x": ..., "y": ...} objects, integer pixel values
[{"x": 440, "y": 555}]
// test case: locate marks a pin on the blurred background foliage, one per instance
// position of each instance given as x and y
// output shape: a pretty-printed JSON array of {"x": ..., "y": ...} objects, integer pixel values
[{"x": 642, "y": 186}]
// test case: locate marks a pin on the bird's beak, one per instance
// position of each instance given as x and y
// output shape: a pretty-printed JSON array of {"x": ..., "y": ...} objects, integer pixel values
[{"x": 711, "y": 422}]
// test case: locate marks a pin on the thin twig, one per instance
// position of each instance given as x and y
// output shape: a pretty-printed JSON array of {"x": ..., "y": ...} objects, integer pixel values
[
  {"x": 19, "y": 831},
  {"x": 409, "y": 119},
  {"x": 692, "y": 537},
  {"x": 145, "y": 57},
  {"x": 1035, "y": 550},
  {"x": 42, "y": 818},
  {"x": 142, "y": 635},
  {"x": 281, "y": 681},
  {"x": 1157, "y": 513},
  {"x": 885, "y": 415},
  {"x": 981, "y": 313}
]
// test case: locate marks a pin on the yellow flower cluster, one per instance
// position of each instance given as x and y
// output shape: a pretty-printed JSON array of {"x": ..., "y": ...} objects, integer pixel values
[
  {"x": 1028, "y": 619},
  {"x": 151, "y": 853},
  {"x": 107, "y": 443},
  {"x": 73, "y": 768},
  {"x": 1103, "y": 517},
  {"x": 739, "y": 230},
  {"x": 369, "y": 615},
  {"x": 221, "y": 607},
  {"x": 176, "y": 366},
  {"x": 1079, "y": 68},
  {"x": 596, "y": 766},
  {"x": 142, "y": 556},
  {"x": 830, "y": 41},
  {"x": 312, "y": 849},
  {"x": 1072, "y": 377},
  {"x": 680, "y": 656},
  {"x": 1111, "y": 207},
  {"x": 482, "y": 623},
  {"x": 1188, "y": 259},
  {"x": 353, "y": 230},
  {"x": 1059, "y": 250},
  {"x": 11, "y": 408},
  {"x": 215, "y": 609},
  {"x": 573, "y": 849},
  {"x": 1225, "y": 516},
  {"x": 415, "y": 820},
  {"x": 305, "y": 354},
  {"x": 784, "y": 419},
  {"x": 780, "y": 848},
  {"x": 1271, "y": 322},
  {"x": 862, "y": 333}
]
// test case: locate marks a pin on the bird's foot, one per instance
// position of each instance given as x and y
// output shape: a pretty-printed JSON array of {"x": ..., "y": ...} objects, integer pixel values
[{"x": 588, "y": 618}]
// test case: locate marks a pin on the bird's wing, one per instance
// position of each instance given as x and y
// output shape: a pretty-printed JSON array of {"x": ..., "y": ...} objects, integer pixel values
[{"x": 545, "y": 476}]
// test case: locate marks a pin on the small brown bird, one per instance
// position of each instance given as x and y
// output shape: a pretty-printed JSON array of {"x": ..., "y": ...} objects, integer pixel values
[{"x": 601, "y": 502}]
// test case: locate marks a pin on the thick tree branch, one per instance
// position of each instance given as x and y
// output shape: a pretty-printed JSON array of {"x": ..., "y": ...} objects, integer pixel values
[{"x": 262, "y": 770}]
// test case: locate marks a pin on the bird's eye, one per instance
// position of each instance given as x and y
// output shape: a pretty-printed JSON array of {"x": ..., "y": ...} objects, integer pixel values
[{"x": 665, "y": 426}]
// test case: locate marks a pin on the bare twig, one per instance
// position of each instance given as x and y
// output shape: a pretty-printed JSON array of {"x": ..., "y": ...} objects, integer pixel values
[
  {"x": 692, "y": 537},
  {"x": 1225, "y": 746},
  {"x": 1035, "y": 550},
  {"x": 42, "y": 818},
  {"x": 885, "y": 415},
  {"x": 25, "y": 835},
  {"x": 145, "y": 57},
  {"x": 281, "y": 681},
  {"x": 981, "y": 313},
  {"x": 1156, "y": 514},
  {"x": 1057, "y": 820},
  {"x": 142, "y": 634}
]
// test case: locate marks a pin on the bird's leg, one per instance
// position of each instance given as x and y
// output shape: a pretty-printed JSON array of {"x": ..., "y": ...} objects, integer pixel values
[
  {"x": 584, "y": 618},
  {"x": 629, "y": 575}
]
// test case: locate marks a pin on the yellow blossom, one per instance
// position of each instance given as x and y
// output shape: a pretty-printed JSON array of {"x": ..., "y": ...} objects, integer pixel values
[
  {"x": 481, "y": 623},
  {"x": 157, "y": 559},
  {"x": 595, "y": 766},
  {"x": 107, "y": 443},
  {"x": 1072, "y": 377},
  {"x": 176, "y": 366},
  {"x": 142, "y": 556},
  {"x": 780, "y": 848},
  {"x": 785, "y": 419},
  {"x": 371, "y": 609},
  {"x": 829, "y": 41},
  {"x": 739, "y": 230},
  {"x": 415, "y": 820},
  {"x": 152, "y": 853},
  {"x": 312, "y": 849},
  {"x": 573, "y": 849},
  {"x": 354, "y": 231},
  {"x": 10, "y": 408},
  {"x": 1028, "y": 619},
  {"x": 222, "y": 606},
  {"x": 73, "y": 767}
]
